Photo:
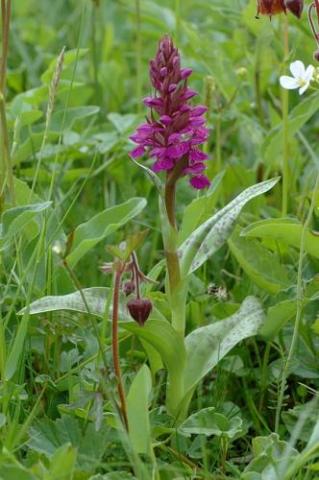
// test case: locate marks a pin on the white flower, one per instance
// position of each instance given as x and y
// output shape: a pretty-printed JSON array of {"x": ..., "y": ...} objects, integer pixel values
[{"x": 301, "y": 77}]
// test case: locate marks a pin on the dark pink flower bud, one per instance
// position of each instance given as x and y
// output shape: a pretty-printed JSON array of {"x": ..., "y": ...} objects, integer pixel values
[
  {"x": 163, "y": 71},
  {"x": 316, "y": 55},
  {"x": 128, "y": 287},
  {"x": 186, "y": 72},
  {"x": 140, "y": 309},
  {"x": 270, "y": 7},
  {"x": 295, "y": 7}
]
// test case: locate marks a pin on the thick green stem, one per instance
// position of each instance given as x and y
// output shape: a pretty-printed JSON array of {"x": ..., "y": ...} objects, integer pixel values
[{"x": 177, "y": 289}]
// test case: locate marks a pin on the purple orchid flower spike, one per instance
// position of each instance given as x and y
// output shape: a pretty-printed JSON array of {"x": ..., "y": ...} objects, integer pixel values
[{"x": 174, "y": 130}]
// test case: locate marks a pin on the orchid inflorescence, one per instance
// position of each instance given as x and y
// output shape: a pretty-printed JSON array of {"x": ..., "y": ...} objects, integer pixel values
[{"x": 174, "y": 130}]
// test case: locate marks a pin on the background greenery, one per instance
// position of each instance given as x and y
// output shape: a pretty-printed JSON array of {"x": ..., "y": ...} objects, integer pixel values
[{"x": 57, "y": 396}]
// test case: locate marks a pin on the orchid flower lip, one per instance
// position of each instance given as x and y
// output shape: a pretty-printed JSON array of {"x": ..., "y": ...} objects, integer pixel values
[{"x": 300, "y": 79}]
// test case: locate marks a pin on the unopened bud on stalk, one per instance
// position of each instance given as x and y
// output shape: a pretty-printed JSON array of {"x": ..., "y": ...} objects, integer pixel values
[
  {"x": 272, "y": 7},
  {"x": 128, "y": 287},
  {"x": 140, "y": 309},
  {"x": 295, "y": 7},
  {"x": 316, "y": 55}
]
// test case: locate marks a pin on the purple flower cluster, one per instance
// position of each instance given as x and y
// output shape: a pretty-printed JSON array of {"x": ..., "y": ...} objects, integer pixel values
[{"x": 174, "y": 130}]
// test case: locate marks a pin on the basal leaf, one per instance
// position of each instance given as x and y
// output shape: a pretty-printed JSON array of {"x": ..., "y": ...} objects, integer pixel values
[
  {"x": 16, "y": 218},
  {"x": 207, "y": 345},
  {"x": 88, "y": 234},
  {"x": 287, "y": 230},
  {"x": 261, "y": 265},
  {"x": 137, "y": 408},
  {"x": 209, "y": 422},
  {"x": 212, "y": 234},
  {"x": 95, "y": 299},
  {"x": 169, "y": 344}
]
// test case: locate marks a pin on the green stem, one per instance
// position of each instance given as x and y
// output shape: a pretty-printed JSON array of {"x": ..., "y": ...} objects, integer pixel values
[
  {"x": 177, "y": 289},
  {"x": 295, "y": 334},
  {"x": 218, "y": 143},
  {"x": 138, "y": 54},
  {"x": 285, "y": 125},
  {"x": 6, "y": 172},
  {"x": 115, "y": 347}
]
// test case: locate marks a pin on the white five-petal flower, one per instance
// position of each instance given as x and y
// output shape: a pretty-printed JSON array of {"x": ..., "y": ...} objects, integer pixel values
[{"x": 301, "y": 77}]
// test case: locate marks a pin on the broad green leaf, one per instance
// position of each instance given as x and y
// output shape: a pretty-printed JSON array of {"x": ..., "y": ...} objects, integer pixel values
[
  {"x": 88, "y": 234},
  {"x": 31, "y": 146},
  {"x": 95, "y": 299},
  {"x": 46, "y": 436},
  {"x": 261, "y": 265},
  {"x": 212, "y": 234},
  {"x": 14, "y": 472},
  {"x": 15, "y": 219},
  {"x": 169, "y": 344},
  {"x": 69, "y": 58},
  {"x": 209, "y": 422},
  {"x": 137, "y": 408},
  {"x": 122, "y": 123},
  {"x": 277, "y": 317},
  {"x": 207, "y": 345},
  {"x": 71, "y": 115},
  {"x": 63, "y": 463},
  {"x": 199, "y": 210},
  {"x": 30, "y": 117},
  {"x": 286, "y": 230}
]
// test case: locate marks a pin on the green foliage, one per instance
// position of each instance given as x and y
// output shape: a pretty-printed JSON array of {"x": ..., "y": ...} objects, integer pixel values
[{"x": 225, "y": 400}]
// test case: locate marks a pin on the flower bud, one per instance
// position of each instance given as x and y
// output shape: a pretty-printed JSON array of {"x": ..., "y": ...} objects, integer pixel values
[
  {"x": 295, "y": 7},
  {"x": 316, "y": 55},
  {"x": 128, "y": 287},
  {"x": 140, "y": 309}
]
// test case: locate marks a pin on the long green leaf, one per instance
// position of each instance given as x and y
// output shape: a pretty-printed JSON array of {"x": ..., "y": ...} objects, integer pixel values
[
  {"x": 169, "y": 344},
  {"x": 287, "y": 230},
  {"x": 15, "y": 219},
  {"x": 212, "y": 234},
  {"x": 261, "y": 265},
  {"x": 95, "y": 300},
  {"x": 88, "y": 234},
  {"x": 207, "y": 345},
  {"x": 138, "y": 415}
]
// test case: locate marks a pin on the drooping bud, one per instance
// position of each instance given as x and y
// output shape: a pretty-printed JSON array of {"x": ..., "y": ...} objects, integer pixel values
[
  {"x": 128, "y": 287},
  {"x": 270, "y": 7},
  {"x": 316, "y": 55},
  {"x": 140, "y": 309},
  {"x": 295, "y": 7}
]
